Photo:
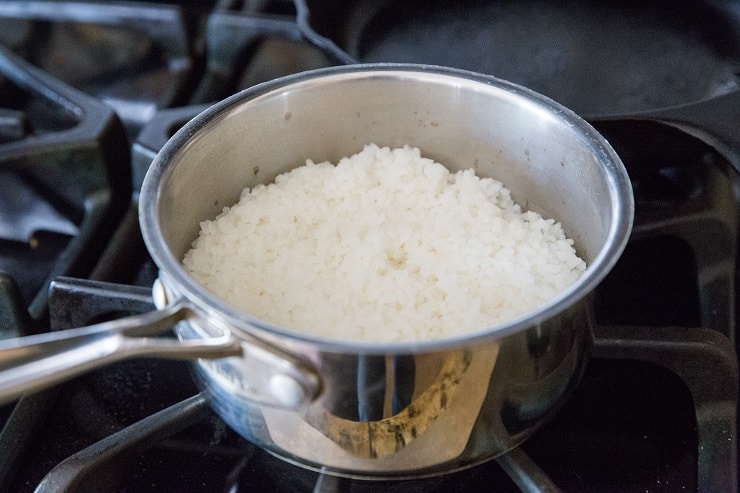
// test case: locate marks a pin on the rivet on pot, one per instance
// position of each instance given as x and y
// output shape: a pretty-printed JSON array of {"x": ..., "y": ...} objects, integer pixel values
[
  {"x": 159, "y": 294},
  {"x": 286, "y": 390}
]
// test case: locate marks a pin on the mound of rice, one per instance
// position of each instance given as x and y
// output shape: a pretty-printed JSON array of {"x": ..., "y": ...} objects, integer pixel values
[{"x": 385, "y": 246}]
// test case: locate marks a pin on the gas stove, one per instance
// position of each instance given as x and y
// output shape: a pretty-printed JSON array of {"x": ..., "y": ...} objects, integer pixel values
[{"x": 89, "y": 92}]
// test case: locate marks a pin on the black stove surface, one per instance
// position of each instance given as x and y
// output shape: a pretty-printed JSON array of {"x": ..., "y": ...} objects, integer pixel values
[{"x": 90, "y": 90}]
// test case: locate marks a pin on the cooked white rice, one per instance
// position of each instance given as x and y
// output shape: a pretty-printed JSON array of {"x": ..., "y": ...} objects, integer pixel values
[{"x": 384, "y": 246}]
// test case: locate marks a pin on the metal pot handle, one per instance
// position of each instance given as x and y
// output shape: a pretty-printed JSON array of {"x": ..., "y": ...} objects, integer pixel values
[
  {"x": 29, "y": 364},
  {"x": 32, "y": 363}
]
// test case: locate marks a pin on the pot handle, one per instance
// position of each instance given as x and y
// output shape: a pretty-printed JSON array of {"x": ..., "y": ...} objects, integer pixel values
[{"x": 31, "y": 363}]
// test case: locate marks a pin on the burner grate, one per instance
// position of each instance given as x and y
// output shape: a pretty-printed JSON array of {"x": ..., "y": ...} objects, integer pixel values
[
  {"x": 136, "y": 57},
  {"x": 81, "y": 171}
]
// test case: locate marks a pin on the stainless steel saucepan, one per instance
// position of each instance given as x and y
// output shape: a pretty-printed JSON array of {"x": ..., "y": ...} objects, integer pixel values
[{"x": 353, "y": 408}]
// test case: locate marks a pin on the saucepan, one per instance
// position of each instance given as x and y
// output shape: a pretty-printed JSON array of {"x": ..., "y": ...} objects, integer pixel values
[{"x": 363, "y": 409}]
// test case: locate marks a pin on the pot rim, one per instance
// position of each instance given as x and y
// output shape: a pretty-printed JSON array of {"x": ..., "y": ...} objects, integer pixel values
[{"x": 619, "y": 186}]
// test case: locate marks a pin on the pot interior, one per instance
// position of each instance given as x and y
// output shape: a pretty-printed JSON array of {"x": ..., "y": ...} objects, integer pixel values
[{"x": 551, "y": 160}]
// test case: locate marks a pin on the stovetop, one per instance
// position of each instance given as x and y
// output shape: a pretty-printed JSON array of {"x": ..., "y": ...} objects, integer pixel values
[{"x": 89, "y": 91}]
